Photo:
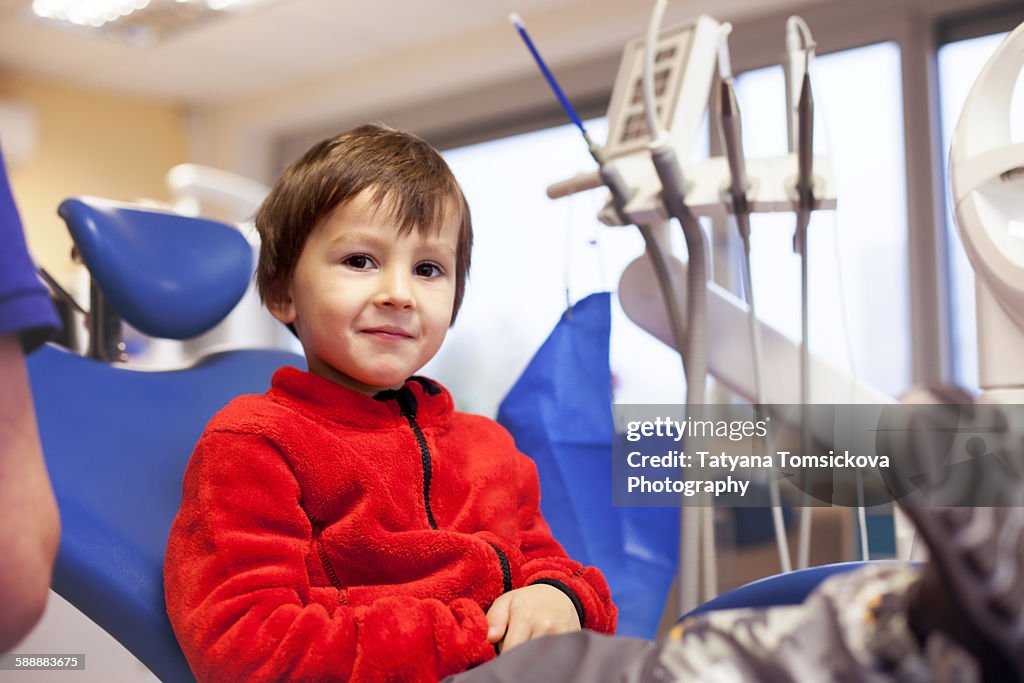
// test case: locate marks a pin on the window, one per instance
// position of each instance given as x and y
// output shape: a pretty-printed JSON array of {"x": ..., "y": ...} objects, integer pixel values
[
  {"x": 858, "y": 253},
  {"x": 533, "y": 254}
]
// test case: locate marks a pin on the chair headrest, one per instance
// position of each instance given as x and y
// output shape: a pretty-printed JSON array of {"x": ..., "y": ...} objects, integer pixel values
[{"x": 167, "y": 275}]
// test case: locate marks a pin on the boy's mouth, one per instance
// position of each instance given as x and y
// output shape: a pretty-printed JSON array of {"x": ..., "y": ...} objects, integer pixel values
[{"x": 388, "y": 332}]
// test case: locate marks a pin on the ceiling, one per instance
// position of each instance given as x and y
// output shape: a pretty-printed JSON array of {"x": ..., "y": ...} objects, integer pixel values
[
  {"x": 294, "y": 42},
  {"x": 243, "y": 54}
]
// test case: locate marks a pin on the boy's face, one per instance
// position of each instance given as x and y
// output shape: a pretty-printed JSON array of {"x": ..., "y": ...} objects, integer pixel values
[{"x": 370, "y": 306}]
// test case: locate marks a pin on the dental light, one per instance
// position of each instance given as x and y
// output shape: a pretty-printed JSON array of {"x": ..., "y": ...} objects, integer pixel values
[{"x": 986, "y": 170}]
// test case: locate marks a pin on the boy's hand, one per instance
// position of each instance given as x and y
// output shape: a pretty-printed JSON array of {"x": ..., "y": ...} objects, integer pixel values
[{"x": 530, "y": 612}]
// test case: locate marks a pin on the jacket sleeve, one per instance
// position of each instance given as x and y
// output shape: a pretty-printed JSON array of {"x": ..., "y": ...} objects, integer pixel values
[
  {"x": 239, "y": 597},
  {"x": 547, "y": 562}
]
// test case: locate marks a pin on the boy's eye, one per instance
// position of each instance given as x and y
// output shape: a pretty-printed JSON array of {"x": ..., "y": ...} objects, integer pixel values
[
  {"x": 359, "y": 261},
  {"x": 428, "y": 270}
]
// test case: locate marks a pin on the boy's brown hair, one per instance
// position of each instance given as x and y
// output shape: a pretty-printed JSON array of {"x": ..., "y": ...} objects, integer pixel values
[{"x": 409, "y": 181}]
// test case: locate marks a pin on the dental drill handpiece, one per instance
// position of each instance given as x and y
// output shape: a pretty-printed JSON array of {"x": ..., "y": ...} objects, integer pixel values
[
  {"x": 732, "y": 137},
  {"x": 805, "y": 203},
  {"x": 730, "y": 124},
  {"x": 805, "y": 158}
]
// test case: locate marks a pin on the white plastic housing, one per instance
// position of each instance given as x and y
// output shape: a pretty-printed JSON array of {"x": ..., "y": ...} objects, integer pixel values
[
  {"x": 685, "y": 63},
  {"x": 987, "y": 184}
]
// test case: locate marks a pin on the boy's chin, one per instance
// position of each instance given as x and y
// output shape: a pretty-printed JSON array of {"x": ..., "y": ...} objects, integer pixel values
[
  {"x": 391, "y": 379},
  {"x": 379, "y": 381},
  {"x": 364, "y": 382}
]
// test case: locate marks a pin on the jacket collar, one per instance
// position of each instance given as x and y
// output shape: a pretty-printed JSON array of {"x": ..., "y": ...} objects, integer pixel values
[{"x": 427, "y": 401}]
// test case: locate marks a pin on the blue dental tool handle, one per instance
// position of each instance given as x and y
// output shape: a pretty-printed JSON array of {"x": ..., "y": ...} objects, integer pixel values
[{"x": 595, "y": 150}]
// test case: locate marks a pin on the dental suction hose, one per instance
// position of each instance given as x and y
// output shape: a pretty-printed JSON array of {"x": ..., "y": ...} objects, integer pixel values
[
  {"x": 695, "y": 364},
  {"x": 667, "y": 165},
  {"x": 695, "y": 360},
  {"x": 696, "y": 309},
  {"x": 673, "y": 184},
  {"x": 659, "y": 256}
]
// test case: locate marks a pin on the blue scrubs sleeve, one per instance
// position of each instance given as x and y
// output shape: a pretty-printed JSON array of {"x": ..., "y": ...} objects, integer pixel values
[{"x": 25, "y": 306}]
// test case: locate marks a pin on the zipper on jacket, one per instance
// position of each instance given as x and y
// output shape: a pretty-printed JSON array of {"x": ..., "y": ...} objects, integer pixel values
[
  {"x": 506, "y": 571},
  {"x": 410, "y": 416},
  {"x": 321, "y": 551},
  {"x": 332, "y": 576},
  {"x": 425, "y": 462},
  {"x": 407, "y": 405}
]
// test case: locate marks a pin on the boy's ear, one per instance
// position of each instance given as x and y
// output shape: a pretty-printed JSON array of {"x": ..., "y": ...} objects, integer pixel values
[{"x": 281, "y": 306}]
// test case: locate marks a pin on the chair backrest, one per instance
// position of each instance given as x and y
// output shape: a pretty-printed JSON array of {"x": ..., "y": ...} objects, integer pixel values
[
  {"x": 117, "y": 440},
  {"x": 116, "y": 443},
  {"x": 168, "y": 275}
]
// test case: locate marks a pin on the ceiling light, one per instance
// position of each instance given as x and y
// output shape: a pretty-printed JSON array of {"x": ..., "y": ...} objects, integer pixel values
[{"x": 138, "y": 21}]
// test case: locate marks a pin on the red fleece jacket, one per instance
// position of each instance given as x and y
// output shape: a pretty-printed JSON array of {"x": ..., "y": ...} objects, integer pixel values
[{"x": 328, "y": 535}]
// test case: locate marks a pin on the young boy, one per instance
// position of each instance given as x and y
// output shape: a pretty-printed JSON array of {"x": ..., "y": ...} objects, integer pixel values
[{"x": 348, "y": 524}]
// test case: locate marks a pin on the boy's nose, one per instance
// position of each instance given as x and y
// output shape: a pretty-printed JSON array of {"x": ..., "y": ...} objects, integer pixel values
[{"x": 395, "y": 289}]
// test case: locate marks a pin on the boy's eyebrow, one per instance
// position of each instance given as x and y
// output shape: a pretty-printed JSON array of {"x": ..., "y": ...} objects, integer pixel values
[
  {"x": 357, "y": 236},
  {"x": 441, "y": 245},
  {"x": 375, "y": 238}
]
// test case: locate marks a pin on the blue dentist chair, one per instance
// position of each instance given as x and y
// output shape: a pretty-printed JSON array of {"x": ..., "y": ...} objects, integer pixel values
[
  {"x": 791, "y": 588},
  {"x": 117, "y": 440}
]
